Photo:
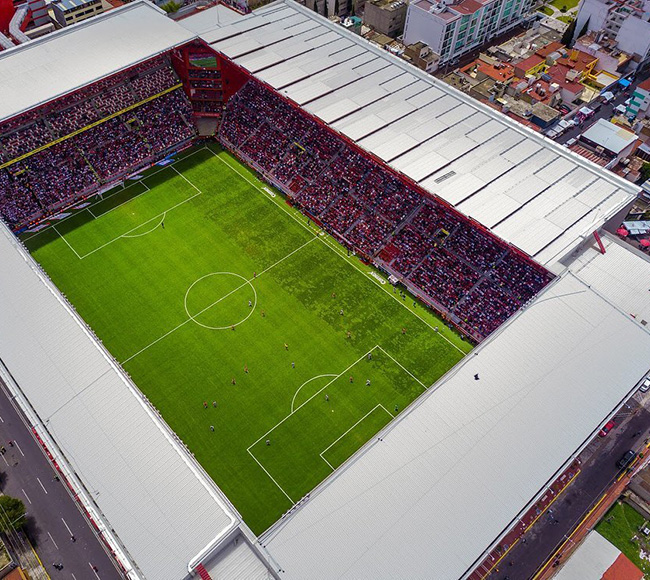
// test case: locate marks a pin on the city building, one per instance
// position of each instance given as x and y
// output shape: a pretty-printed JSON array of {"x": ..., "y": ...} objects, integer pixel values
[
  {"x": 640, "y": 100},
  {"x": 610, "y": 140},
  {"x": 454, "y": 29},
  {"x": 625, "y": 21},
  {"x": 606, "y": 50},
  {"x": 68, "y": 12},
  {"x": 385, "y": 16},
  {"x": 421, "y": 55}
]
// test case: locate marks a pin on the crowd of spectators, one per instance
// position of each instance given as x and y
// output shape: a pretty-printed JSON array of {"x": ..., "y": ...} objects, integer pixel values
[
  {"x": 63, "y": 116},
  {"x": 67, "y": 155},
  {"x": 469, "y": 274}
]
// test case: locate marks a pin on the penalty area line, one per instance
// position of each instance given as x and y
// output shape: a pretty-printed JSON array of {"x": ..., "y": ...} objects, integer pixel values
[
  {"x": 378, "y": 406},
  {"x": 271, "y": 477}
]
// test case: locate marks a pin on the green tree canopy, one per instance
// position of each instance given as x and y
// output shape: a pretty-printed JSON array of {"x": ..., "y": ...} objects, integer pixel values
[{"x": 12, "y": 513}]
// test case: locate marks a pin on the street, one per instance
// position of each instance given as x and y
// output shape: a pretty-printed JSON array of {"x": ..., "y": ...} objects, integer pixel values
[
  {"x": 599, "y": 470},
  {"x": 55, "y": 525}
]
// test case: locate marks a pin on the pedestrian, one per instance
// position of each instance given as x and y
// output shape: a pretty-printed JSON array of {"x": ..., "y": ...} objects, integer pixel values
[
  {"x": 212, "y": 428},
  {"x": 73, "y": 539},
  {"x": 233, "y": 381},
  {"x": 476, "y": 377},
  {"x": 214, "y": 404},
  {"x": 268, "y": 442},
  {"x": 11, "y": 443},
  {"x": 3, "y": 450},
  {"x": 396, "y": 408},
  {"x": 205, "y": 404},
  {"x": 95, "y": 569},
  {"x": 327, "y": 397},
  {"x": 246, "y": 369},
  {"x": 351, "y": 379},
  {"x": 367, "y": 382}
]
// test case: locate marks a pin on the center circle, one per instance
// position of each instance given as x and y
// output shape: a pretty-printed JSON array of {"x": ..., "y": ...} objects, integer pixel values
[{"x": 222, "y": 299}]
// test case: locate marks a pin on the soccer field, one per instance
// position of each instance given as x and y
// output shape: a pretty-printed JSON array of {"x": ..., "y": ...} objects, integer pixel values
[{"x": 207, "y": 287}]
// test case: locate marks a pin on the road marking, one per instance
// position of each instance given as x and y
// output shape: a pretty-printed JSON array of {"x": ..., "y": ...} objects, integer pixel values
[
  {"x": 66, "y": 527},
  {"x": 2, "y": 420},
  {"x": 74, "y": 577},
  {"x": 55, "y": 544},
  {"x": 39, "y": 481},
  {"x": 91, "y": 567},
  {"x": 19, "y": 449},
  {"x": 29, "y": 500},
  {"x": 5, "y": 460}
]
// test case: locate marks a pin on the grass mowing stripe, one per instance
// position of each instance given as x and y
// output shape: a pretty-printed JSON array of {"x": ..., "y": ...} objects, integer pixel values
[{"x": 274, "y": 363}]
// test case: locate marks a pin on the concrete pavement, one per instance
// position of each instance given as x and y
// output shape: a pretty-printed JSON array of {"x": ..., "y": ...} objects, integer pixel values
[{"x": 56, "y": 527}]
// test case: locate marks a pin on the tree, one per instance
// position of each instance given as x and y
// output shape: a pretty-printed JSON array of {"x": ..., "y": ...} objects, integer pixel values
[
  {"x": 567, "y": 37},
  {"x": 12, "y": 513},
  {"x": 171, "y": 7}
]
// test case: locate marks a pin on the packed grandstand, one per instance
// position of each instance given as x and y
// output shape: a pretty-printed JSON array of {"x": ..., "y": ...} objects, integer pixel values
[
  {"x": 82, "y": 142},
  {"x": 91, "y": 137}
]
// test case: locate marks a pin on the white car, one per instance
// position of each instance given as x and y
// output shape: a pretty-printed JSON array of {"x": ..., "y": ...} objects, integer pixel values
[{"x": 645, "y": 386}]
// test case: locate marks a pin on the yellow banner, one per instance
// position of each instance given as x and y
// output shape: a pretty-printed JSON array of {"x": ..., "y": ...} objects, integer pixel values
[{"x": 95, "y": 124}]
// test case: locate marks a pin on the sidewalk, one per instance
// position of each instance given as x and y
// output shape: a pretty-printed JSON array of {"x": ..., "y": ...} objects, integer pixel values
[{"x": 28, "y": 559}]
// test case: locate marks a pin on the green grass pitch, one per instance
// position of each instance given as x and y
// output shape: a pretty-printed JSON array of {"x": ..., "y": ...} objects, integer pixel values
[{"x": 164, "y": 268}]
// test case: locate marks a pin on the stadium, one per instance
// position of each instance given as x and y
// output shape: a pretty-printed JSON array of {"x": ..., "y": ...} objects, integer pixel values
[{"x": 272, "y": 297}]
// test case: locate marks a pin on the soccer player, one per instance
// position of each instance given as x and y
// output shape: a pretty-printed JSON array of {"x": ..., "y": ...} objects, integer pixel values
[
  {"x": 367, "y": 382},
  {"x": 212, "y": 428},
  {"x": 293, "y": 365},
  {"x": 403, "y": 329},
  {"x": 327, "y": 397},
  {"x": 234, "y": 382},
  {"x": 348, "y": 334},
  {"x": 246, "y": 369},
  {"x": 268, "y": 442},
  {"x": 396, "y": 409},
  {"x": 286, "y": 346},
  {"x": 341, "y": 312},
  {"x": 351, "y": 379},
  {"x": 214, "y": 404},
  {"x": 205, "y": 404},
  {"x": 250, "y": 304}
]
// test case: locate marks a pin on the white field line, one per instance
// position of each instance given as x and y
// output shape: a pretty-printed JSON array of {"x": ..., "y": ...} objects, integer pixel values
[
  {"x": 336, "y": 249},
  {"x": 185, "y": 178},
  {"x": 90, "y": 212},
  {"x": 310, "y": 398},
  {"x": 350, "y": 429},
  {"x": 126, "y": 234},
  {"x": 216, "y": 302},
  {"x": 162, "y": 219},
  {"x": 103, "y": 198},
  {"x": 308, "y": 381},
  {"x": 271, "y": 478},
  {"x": 66, "y": 242},
  {"x": 403, "y": 368},
  {"x": 141, "y": 182}
]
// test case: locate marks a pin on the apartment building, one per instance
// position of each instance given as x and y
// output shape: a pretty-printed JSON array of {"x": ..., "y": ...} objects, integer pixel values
[
  {"x": 625, "y": 21},
  {"x": 68, "y": 12},
  {"x": 452, "y": 29}
]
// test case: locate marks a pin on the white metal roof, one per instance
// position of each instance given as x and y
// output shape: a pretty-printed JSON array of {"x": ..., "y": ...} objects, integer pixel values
[
  {"x": 161, "y": 506},
  {"x": 55, "y": 64},
  {"x": 610, "y": 136},
  {"x": 527, "y": 189},
  {"x": 591, "y": 560},
  {"x": 453, "y": 473},
  {"x": 622, "y": 275}
]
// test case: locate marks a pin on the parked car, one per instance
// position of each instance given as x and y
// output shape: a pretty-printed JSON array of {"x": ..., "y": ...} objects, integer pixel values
[
  {"x": 565, "y": 110},
  {"x": 607, "y": 427},
  {"x": 645, "y": 386},
  {"x": 571, "y": 141},
  {"x": 627, "y": 458}
]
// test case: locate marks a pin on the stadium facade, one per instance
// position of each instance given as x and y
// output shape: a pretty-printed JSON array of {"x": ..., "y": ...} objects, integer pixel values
[{"x": 558, "y": 353}]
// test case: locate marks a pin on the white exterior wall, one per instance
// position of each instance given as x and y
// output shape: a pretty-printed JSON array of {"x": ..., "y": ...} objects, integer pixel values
[
  {"x": 595, "y": 11},
  {"x": 423, "y": 26},
  {"x": 634, "y": 37}
]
